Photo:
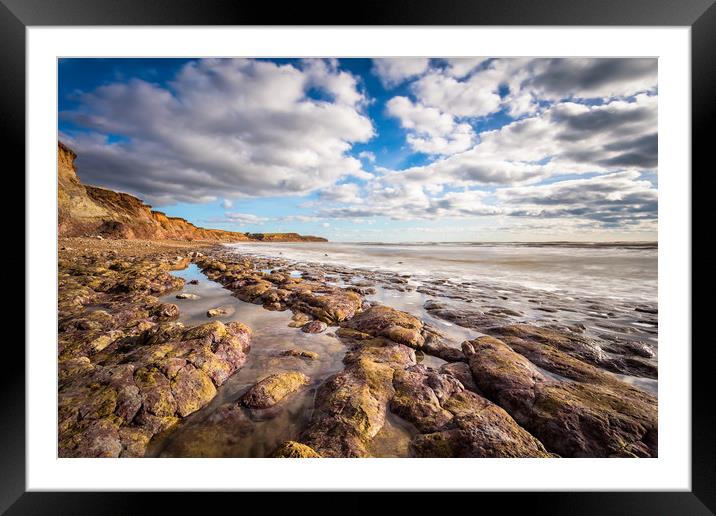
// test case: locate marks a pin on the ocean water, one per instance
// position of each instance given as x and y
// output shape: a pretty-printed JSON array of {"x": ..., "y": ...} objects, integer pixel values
[{"x": 626, "y": 272}]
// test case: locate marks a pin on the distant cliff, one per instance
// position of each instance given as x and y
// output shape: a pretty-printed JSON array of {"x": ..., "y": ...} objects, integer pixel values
[{"x": 89, "y": 210}]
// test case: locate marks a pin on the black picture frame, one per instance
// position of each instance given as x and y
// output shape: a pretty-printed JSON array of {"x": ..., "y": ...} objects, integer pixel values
[{"x": 17, "y": 15}]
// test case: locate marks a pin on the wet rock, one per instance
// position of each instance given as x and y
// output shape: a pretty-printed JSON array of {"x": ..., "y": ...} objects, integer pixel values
[
  {"x": 478, "y": 428},
  {"x": 454, "y": 422},
  {"x": 363, "y": 291},
  {"x": 383, "y": 321},
  {"x": 314, "y": 327},
  {"x": 192, "y": 389},
  {"x": 461, "y": 371},
  {"x": 187, "y": 295},
  {"x": 351, "y": 406},
  {"x": 167, "y": 311},
  {"x": 331, "y": 306},
  {"x": 417, "y": 402},
  {"x": 294, "y": 450},
  {"x": 525, "y": 336},
  {"x": 434, "y": 304},
  {"x": 273, "y": 389},
  {"x": 638, "y": 348},
  {"x": 114, "y": 405},
  {"x": 299, "y": 320},
  {"x": 571, "y": 418},
  {"x": 465, "y": 317},
  {"x": 301, "y": 353},
  {"x": 220, "y": 311},
  {"x": 441, "y": 350},
  {"x": 194, "y": 282}
]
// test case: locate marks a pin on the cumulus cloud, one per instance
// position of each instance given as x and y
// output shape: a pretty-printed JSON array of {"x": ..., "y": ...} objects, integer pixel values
[
  {"x": 367, "y": 155},
  {"x": 227, "y": 203},
  {"x": 567, "y": 139},
  {"x": 476, "y": 87},
  {"x": 394, "y": 71},
  {"x": 476, "y": 96},
  {"x": 222, "y": 127},
  {"x": 612, "y": 199},
  {"x": 429, "y": 130},
  {"x": 344, "y": 193}
]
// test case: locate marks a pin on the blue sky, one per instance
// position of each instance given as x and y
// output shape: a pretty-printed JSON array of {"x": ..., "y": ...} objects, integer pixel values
[{"x": 386, "y": 149}]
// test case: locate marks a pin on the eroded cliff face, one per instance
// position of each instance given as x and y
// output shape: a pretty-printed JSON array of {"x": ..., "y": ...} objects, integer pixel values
[{"x": 89, "y": 210}]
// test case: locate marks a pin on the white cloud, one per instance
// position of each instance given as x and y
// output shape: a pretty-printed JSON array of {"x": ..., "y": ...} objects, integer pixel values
[
  {"x": 476, "y": 96},
  {"x": 227, "y": 204},
  {"x": 429, "y": 130},
  {"x": 612, "y": 199},
  {"x": 367, "y": 155},
  {"x": 394, "y": 71},
  {"x": 568, "y": 138},
  {"x": 223, "y": 126},
  {"x": 345, "y": 193}
]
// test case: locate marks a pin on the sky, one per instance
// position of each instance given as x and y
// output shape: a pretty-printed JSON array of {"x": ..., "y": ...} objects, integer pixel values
[{"x": 403, "y": 149}]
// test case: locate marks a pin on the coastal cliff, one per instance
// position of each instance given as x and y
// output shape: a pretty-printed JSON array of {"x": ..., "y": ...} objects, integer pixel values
[{"x": 85, "y": 210}]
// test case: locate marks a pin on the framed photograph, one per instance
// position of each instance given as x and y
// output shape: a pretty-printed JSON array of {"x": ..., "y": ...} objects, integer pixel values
[{"x": 443, "y": 248}]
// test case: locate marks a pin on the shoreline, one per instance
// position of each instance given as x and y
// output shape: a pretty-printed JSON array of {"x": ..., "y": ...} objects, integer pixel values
[{"x": 129, "y": 371}]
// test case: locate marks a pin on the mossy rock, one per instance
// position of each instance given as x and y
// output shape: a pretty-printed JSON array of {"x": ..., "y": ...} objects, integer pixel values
[
  {"x": 215, "y": 329},
  {"x": 294, "y": 450},
  {"x": 273, "y": 389},
  {"x": 192, "y": 389}
]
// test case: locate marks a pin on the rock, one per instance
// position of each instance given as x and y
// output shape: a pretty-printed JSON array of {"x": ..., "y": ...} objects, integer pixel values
[
  {"x": 443, "y": 351},
  {"x": 638, "y": 348},
  {"x": 525, "y": 336},
  {"x": 383, "y": 321},
  {"x": 332, "y": 306},
  {"x": 478, "y": 428},
  {"x": 454, "y": 422},
  {"x": 193, "y": 282},
  {"x": 434, "y": 304},
  {"x": 465, "y": 317},
  {"x": 418, "y": 403},
  {"x": 461, "y": 371},
  {"x": 220, "y": 311},
  {"x": 302, "y": 353},
  {"x": 601, "y": 418},
  {"x": 314, "y": 327},
  {"x": 350, "y": 406},
  {"x": 273, "y": 389},
  {"x": 299, "y": 320},
  {"x": 114, "y": 406},
  {"x": 192, "y": 389},
  {"x": 187, "y": 295},
  {"x": 167, "y": 311},
  {"x": 292, "y": 449}
]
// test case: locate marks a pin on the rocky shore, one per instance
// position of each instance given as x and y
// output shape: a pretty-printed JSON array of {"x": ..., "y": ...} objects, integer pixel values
[{"x": 131, "y": 374}]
